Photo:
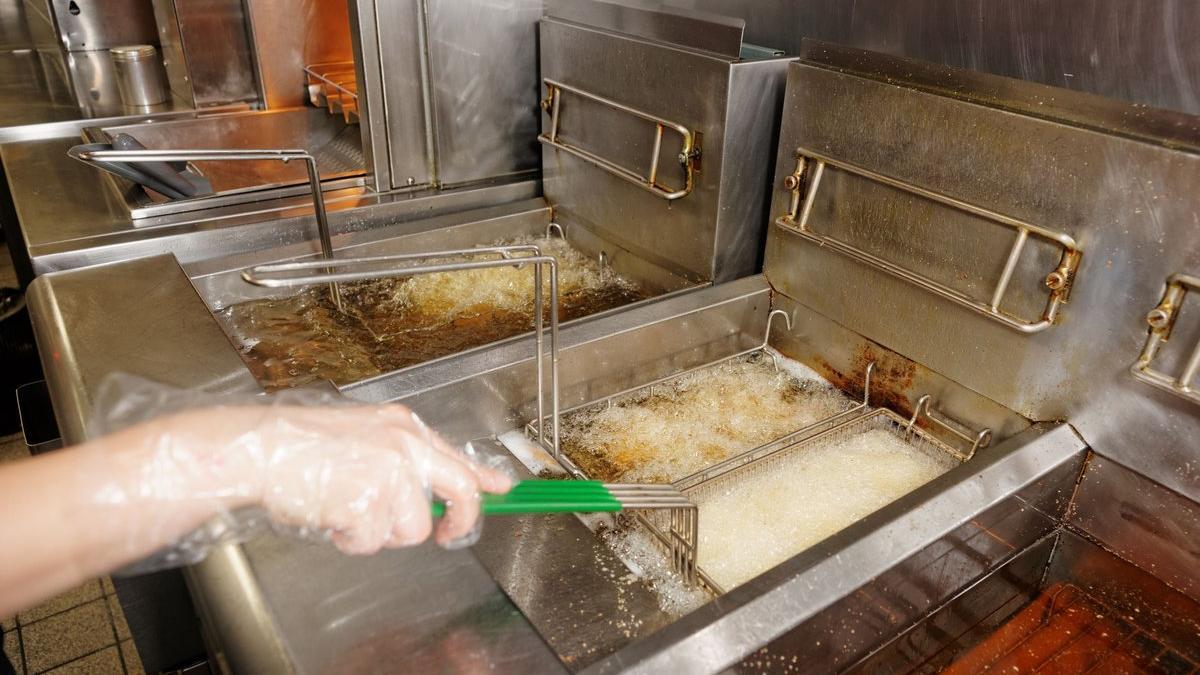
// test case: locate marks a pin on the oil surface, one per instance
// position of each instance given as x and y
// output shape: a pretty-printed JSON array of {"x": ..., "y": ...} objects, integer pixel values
[
  {"x": 695, "y": 421},
  {"x": 392, "y": 323},
  {"x": 755, "y": 522}
]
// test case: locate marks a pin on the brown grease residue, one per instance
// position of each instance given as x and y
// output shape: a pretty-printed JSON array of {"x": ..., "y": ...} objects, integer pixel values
[
  {"x": 890, "y": 381},
  {"x": 393, "y": 323},
  {"x": 1065, "y": 630}
]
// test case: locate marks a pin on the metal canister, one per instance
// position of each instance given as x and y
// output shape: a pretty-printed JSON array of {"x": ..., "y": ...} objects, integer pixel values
[{"x": 139, "y": 75}]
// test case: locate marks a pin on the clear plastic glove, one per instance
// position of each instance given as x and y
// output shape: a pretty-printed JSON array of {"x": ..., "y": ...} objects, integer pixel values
[{"x": 360, "y": 475}]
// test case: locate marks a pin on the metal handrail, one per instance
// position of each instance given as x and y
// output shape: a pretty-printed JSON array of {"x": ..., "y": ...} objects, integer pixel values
[
  {"x": 806, "y": 179},
  {"x": 689, "y": 154},
  {"x": 282, "y": 275},
  {"x": 285, "y": 156},
  {"x": 1161, "y": 320}
]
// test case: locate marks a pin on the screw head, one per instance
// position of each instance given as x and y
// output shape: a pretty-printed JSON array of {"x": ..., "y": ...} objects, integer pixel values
[
  {"x": 1158, "y": 318},
  {"x": 791, "y": 182},
  {"x": 1056, "y": 281}
]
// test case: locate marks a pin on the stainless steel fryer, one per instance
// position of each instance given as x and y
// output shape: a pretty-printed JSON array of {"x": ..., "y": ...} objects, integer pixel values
[{"x": 899, "y": 276}]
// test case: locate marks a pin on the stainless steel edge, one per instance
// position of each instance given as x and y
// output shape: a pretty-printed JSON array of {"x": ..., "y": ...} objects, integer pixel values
[{"x": 160, "y": 314}]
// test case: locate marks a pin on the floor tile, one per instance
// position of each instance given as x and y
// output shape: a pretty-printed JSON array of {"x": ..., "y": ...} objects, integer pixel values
[
  {"x": 108, "y": 586},
  {"x": 12, "y": 648},
  {"x": 118, "y": 617},
  {"x": 133, "y": 662},
  {"x": 8, "y": 624},
  {"x": 67, "y": 636},
  {"x": 103, "y": 662},
  {"x": 72, "y": 598}
]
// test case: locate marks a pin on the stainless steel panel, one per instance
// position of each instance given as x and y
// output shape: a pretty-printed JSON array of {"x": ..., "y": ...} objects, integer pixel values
[
  {"x": 969, "y": 617},
  {"x": 421, "y": 609},
  {"x": 29, "y": 23},
  {"x": 1129, "y": 202},
  {"x": 207, "y": 50},
  {"x": 483, "y": 66},
  {"x": 732, "y": 106},
  {"x": 170, "y": 40},
  {"x": 665, "y": 23},
  {"x": 1140, "y": 52},
  {"x": 842, "y": 356},
  {"x": 399, "y": 85},
  {"x": 288, "y": 35},
  {"x": 1141, "y": 521},
  {"x": 90, "y": 26},
  {"x": 130, "y": 318}
]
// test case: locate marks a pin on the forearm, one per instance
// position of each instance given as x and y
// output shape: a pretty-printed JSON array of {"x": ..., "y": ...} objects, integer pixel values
[{"x": 79, "y": 513}]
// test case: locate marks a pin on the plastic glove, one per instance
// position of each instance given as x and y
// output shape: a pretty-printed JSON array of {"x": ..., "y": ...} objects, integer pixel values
[{"x": 361, "y": 475}]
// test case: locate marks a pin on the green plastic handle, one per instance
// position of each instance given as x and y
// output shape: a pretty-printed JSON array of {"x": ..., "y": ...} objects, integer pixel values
[{"x": 546, "y": 496}]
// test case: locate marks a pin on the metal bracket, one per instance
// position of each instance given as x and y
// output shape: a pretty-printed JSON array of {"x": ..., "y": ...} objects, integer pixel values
[
  {"x": 977, "y": 439},
  {"x": 689, "y": 156},
  {"x": 806, "y": 179},
  {"x": 1161, "y": 320}
]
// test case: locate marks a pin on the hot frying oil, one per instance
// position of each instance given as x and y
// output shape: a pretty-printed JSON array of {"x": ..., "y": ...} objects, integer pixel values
[{"x": 392, "y": 323}]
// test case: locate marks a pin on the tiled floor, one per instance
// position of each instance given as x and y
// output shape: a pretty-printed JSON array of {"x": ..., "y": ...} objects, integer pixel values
[{"x": 80, "y": 631}]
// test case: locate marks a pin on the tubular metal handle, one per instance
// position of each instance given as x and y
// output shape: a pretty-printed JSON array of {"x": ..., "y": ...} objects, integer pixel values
[
  {"x": 285, "y": 156},
  {"x": 804, "y": 182},
  {"x": 689, "y": 156},
  {"x": 1161, "y": 320},
  {"x": 977, "y": 439}
]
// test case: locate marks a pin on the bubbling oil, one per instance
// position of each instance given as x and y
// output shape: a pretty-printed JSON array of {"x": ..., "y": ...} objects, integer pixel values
[
  {"x": 758, "y": 521},
  {"x": 697, "y": 420},
  {"x": 388, "y": 324}
]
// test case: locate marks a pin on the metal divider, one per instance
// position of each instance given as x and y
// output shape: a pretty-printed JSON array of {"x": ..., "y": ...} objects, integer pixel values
[
  {"x": 689, "y": 156},
  {"x": 1161, "y": 320},
  {"x": 806, "y": 180}
]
